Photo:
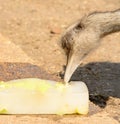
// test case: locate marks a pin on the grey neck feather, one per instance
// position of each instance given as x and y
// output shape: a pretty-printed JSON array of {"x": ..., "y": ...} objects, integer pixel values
[{"x": 103, "y": 22}]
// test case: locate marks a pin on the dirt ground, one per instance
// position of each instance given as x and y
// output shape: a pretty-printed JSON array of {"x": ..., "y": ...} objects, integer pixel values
[{"x": 29, "y": 47}]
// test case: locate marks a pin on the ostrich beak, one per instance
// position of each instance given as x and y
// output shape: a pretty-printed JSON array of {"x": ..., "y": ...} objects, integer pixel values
[{"x": 73, "y": 63}]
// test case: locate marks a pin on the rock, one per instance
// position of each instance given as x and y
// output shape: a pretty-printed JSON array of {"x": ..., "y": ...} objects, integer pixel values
[{"x": 55, "y": 30}]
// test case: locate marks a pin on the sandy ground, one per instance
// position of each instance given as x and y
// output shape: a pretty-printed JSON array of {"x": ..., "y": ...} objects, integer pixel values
[{"x": 30, "y": 47}]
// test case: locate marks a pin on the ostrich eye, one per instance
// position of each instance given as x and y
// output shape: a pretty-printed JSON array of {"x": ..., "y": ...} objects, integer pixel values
[{"x": 79, "y": 26}]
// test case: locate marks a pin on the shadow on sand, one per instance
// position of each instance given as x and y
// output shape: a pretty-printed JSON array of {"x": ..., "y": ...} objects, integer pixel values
[{"x": 11, "y": 71}]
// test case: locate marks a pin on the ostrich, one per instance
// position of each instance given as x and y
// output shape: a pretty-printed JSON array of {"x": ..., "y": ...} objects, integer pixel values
[{"x": 83, "y": 36}]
